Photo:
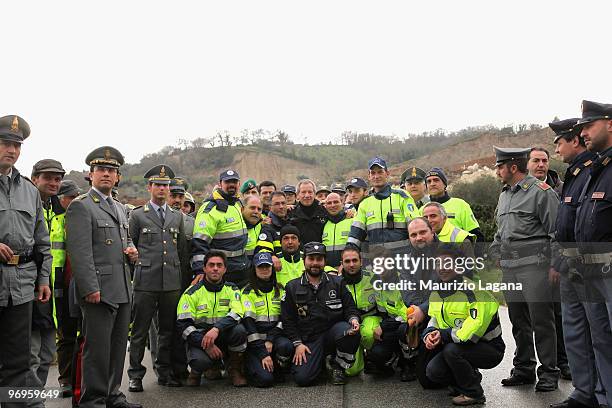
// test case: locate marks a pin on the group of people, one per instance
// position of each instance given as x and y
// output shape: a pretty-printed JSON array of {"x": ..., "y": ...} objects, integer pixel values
[{"x": 262, "y": 283}]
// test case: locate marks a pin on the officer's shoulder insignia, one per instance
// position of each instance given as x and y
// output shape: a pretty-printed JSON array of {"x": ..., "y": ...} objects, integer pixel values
[
  {"x": 410, "y": 207},
  {"x": 576, "y": 171},
  {"x": 146, "y": 208},
  {"x": 263, "y": 236},
  {"x": 237, "y": 293},
  {"x": 587, "y": 163},
  {"x": 82, "y": 196},
  {"x": 136, "y": 208},
  {"x": 543, "y": 185},
  {"x": 606, "y": 161},
  {"x": 209, "y": 206},
  {"x": 400, "y": 192},
  {"x": 473, "y": 313},
  {"x": 193, "y": 289}
]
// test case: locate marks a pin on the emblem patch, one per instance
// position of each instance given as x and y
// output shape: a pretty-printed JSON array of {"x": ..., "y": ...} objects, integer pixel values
[
  {"x": 263, "y": 236},
  {"x": 567, "y": 199},
  {"x": 459, "y": 322},
  {"x": 332, "y": 294},
  {"x": 473, "y": 313},
  {"x": 185, "y": 306},
  {"x": 598, "y": 195}
]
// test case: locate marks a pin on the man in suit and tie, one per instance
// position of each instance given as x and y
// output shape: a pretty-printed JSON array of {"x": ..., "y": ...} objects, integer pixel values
[
  {"x": 99, "y": 250},
  {"x": 157, "y": 230}
]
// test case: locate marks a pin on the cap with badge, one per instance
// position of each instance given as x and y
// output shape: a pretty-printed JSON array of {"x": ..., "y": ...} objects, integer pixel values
[
  {"x": 322, "y": 189},
  {"x": 437, "y": 172},
  {"x": 160, "y": 174},
  {"x": 505, "y": 154},
  {"x": 563, "y": 128},
  {"x": 248, "y": 185},
  {"x": 14, "y": 129},
  {"x": 413, "y": 173},
  {"x": 314, "y": 248},
  {"x": 338, "y": 188},
  {"x": 263, "y": 258},
  {"x": 377, "y": 161},
  {"x": 105, "y": 156},
  {"x": 189, "y": 198},
  {"x": 229, "y": 175},
  {"x": 177, "y": 186},
  {"x": 592, "y": 111},
  {"x": 356, "y": 182},
  {"x": 288, "y": 189},
  {"x": 69, "y": 188},
  {"x": 47, "y": 166}
]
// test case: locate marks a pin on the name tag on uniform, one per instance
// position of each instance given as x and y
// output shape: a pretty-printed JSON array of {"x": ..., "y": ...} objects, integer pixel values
[
  {"x": 260, "y": 303},
  {"x": 450, "y": 215},
  {"x": 230, "y": 220},
  {"x": 224, "y": 302},
  {"x": 202, "y": 307},
  {"x": 369, "y": 214},
  {"x": 567, "y": 200},
  {"x": 344, "y": 233},
  {"x": 598, "y": 195}
]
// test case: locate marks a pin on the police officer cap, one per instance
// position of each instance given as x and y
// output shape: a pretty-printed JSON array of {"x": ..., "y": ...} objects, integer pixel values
[
  {"x": 47, "y": 166},
  {"x": 248, "y": 185},
  {"x": 504, "y": 154},
  {"x": 563, "y": 128},
  {"x": 229, "y": 175},
  {"x": 338, "y": 188},
  {"x": 105, "y": 156},
  {"x": 413, "y": 173},
  {"x": 314, "y": 248},
  {"x": 263, "y": 258},
  {"x": 357, "y": 182},
  {"x": 323, "y": 188},
  {"x": 160, "y": 174},
  {"x": 177, "y": 186},
  {"x": 592, "y": 111},
  {"x": 69, "y": 188},
  {"x": 14, "y": 129},
  {"x": 182, "y": 180},
  {"x": 377, "y": 161},
  {"x": 189, "y": 198},
  {"x": 288, "y": 189}
]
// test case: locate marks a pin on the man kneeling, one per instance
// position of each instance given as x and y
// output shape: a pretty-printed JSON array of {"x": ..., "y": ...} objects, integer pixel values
[
  {"x": 208, "y": 318},
  {"x": 464, "y": 333}
]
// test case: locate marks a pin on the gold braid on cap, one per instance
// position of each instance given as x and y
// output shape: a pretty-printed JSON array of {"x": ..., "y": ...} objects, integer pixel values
[{"x": 15, "y": 125}]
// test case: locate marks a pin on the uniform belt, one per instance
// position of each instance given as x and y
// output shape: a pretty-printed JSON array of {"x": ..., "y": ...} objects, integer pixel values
[
  {"x": 19, "y": 259},
  {"x": 590, "y": 259},
  {"x": 522, "y": 253},
  {"x": 570, "y": 252}
]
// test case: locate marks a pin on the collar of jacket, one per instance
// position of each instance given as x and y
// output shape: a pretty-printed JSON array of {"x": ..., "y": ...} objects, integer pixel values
[
  {"x": 292, "y": 258},
  {"x": 353, "y": 279},
  {"x": 249, "y": 225},
  {"x": 336, "y": 218},
  {"x": 384, "y": 193},
  {"x": 442, "y": 199},
  {"x": 219, "y": 194},
  {"x": 213, "y": 287},
  {"x": 318, "y": 211},
  {"x": 581, "y": 161},
  {"x": 324, "y": 279},
  {"x": 525, "y": 183},
  {"x": 265, "y": 286},
  {"x": 55, "y": 205},
  {"x": 276, "y": 220},
  {"x": 552, "y": 178}
]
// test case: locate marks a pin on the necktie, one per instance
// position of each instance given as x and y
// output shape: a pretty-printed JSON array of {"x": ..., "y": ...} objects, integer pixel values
[
  {"x": 111, "y": 203},
  {"x": 161, "y": 215}
]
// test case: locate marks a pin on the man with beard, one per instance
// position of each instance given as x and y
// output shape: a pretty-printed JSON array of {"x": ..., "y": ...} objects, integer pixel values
[
  {"x": 219, "y": 225},
  {"x": 257, "y": 239},
  {"x": 277, "y": 219},
  {"x": 320, "y": 318},
  {"x": 208, "y": 317},
  {"x": 308, "y": 216},
  {"x": 336, "y": 229},
  {"x": 291, "y": 262}
]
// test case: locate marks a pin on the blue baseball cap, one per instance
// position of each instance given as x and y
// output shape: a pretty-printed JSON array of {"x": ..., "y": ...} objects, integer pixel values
[
  {"x": 377, "y": 161},
  {"x": 229, "y": 175},
  {"x": 263, "y": 258}
]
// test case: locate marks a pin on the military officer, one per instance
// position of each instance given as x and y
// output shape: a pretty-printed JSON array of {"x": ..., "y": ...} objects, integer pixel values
[
  {"x": 99, "y": 250},
  {"x": 157, "y": 231},
  {"x": 526, "y": 214},
  {"x": 23, "y": 237},
  {"x": 594, "y": 223},
  {"x": 582, "y": 320},
  {"x": 413, "y": 181},
  {"x": 176, "y": 200}
]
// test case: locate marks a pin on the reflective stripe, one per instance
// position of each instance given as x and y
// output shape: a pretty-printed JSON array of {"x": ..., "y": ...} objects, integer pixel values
[
  {"x": 209, "y": 320},
  {"x": 250, "y": 314},
  {"x": 338, "y": 306},
  {"x": 239, "y": 348},
  {"x": 382, "y": 225},
  {"x": 182, "y": 316},
  {"x": 345, "y": 356},
  {"x": 272, "y": 318},
  {"x": 256, "y": 336},
  {"x": 234, "y": 316},
  {"x": 358, "y": 224},
  {"x": 515, "y": 263},
  {"x": 391, "y": 245},
  {"x": 454, "y": 234},
  {"x": 58, "y": 245},
  {"x": 188, "y": 331},
  {"x": 496, "y": 332},
  {"x": 203, "y": 237},
  {"x": 335, "y": 247},
  {"x": 354, "y": 241},
  {"x": 231, "y": 254},
  {"x": 454, "y": 335},
  {"x": 342, "y": 363},
  {"x": 604, "y": 258},
  {"x": 232, "y": 234},
  {"x": 249, "y": 252},
  {"x": 198, "y": 258}
]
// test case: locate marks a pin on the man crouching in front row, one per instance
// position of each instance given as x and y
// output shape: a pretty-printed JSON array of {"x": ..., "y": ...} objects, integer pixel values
[{"x": 208, "y": 317}]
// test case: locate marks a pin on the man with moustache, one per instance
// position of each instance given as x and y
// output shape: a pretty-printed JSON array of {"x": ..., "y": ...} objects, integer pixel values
[
  {"x": 99, "y": 250},
  {"x": 336, "y": 229},
  {"x": 320, "y": 317},
  {"x": 23, "y": 238}
]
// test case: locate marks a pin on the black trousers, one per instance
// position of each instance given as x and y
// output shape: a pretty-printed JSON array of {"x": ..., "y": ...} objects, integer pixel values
[
  {"x": 233, "y": 340},
  {"x": 282, "y": 352},
  {"x": 335, "y": 340},
  {"x": 16, "y": 325},
  {"x": 383, "y": 353},
  {"x": 66, "y": 340},
  {"x": 455, "y": 364}
]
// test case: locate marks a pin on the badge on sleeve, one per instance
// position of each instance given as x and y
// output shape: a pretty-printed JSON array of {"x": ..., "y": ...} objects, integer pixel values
[
  {"x": 473, "y": 313},
  {"x": 263, "y": 236}
]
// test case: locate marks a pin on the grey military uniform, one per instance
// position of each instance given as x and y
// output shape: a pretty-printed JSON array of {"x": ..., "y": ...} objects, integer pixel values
[
  {"x": 23, "y": 229},
  {"x": 157, "y": 282},
  {"x": 526, "y": 214},
  {"x": 96, "y": 237}
]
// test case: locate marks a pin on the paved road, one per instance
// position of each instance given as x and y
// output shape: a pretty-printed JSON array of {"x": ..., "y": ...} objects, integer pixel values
[{"x": 363, "y": 391}]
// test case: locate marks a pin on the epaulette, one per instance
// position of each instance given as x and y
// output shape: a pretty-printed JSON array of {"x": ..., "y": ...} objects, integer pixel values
[
  {"x": 135, "y": 208},
  {"x": 194, "y": 288},
  {"x": 209, "y": 206},
  {"x": 400, "y": 192},
  {"x": 543, "y": 185},
  {"x": 82, "y": 196}
]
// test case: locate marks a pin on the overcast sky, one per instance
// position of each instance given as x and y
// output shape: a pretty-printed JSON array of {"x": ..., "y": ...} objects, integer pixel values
[{"x": 139, "y": 75}]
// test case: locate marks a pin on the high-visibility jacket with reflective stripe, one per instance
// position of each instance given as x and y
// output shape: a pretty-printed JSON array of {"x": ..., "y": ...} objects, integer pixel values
[
  {"x": 460, "y": 214},
  {"x": 451, "y": 233},
  {"x": 292, "y": 267},
  {"x": 373, "y": 219},
  {"x": 262, "y": 312},
  {"x": 464, "y": 315},
  {"x": 57, "y": 236},
  {"x": 390, "y": 303},
  {"x": 334, "y": 238},
  {"x": 252, "y": 237},
  {"x": 363, "y": 293},
  {"x": 204, "y": 306},
  {"x": 222, "y": 230}
]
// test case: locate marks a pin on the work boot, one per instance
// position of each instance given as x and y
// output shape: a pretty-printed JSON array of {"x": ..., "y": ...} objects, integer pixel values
[
  {"x": 213, "y": 373},
  {"x": 463, "y": 400},
  {"x": 135, "y": 385},
  {"x": 194, "y": 379},
  {"x": 408, "y": 372},
  {"x": 546, "y": 386},
  {"x": 565, "y": 373},
  {"x": 236, "y": 369},
  {"x": 337, "y": 375},
  {"x": 516, "y": 380}
]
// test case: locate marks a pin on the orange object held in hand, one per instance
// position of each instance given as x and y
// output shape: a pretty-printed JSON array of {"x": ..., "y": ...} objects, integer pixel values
[{"x": 409, "y": 311}]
